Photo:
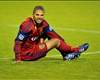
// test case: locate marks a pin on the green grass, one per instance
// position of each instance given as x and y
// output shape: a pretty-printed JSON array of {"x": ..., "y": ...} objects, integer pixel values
[{"x": 62, "y": 15}]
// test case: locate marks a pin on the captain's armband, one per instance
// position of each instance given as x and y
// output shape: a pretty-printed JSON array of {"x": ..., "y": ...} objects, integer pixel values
[
  {"x": 21, "y": 36},
  {"x": 48, "y": 29}
]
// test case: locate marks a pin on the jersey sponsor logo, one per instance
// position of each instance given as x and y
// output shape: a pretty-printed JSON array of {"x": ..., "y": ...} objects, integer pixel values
[{"x": 34, "y": 38}]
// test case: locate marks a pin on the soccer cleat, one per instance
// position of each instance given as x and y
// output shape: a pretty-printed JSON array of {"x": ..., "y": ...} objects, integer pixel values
[
  {"x": 70, "y": 56},
  {"x": 75, "y": 55},
  {"x": 83, "y": 47}
]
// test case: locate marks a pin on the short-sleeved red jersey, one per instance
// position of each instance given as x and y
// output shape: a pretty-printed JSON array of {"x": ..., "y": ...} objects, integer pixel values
[{"x": 29, "y": 36}]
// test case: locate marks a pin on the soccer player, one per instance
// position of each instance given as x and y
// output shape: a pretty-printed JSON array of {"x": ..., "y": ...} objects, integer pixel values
[{"x": 31, "y": 43}]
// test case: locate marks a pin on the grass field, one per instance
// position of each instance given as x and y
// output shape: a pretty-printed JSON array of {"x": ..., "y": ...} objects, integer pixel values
[{"x": 76, "y": 21}]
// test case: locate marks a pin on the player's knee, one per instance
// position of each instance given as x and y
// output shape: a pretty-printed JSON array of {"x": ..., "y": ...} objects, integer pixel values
[
  {"x": 53, "y": 43},
  {"x": 57, "y": 41},
  {"x": 41, "y": 46}
]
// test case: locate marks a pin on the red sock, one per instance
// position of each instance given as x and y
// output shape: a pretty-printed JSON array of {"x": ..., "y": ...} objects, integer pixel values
[{"x": 65, "y": 48}]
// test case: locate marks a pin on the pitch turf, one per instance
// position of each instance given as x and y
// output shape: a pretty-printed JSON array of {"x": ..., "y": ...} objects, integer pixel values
[{"x": 76, "y": 21}]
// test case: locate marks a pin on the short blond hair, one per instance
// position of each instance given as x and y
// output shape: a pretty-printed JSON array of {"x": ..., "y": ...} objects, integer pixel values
[{"x": 38, "y": 8}]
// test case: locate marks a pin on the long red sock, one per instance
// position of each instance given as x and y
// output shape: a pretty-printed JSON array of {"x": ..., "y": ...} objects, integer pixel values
[{"x": 65, "y": 48}]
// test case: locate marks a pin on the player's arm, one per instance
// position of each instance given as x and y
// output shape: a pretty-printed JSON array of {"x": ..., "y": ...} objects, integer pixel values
[
  {"x": 50, "y": 33},
  {"x": 21, "y": 37},
  {"x": 23, "y": 34},
  {"x": 17, "y": 49}
]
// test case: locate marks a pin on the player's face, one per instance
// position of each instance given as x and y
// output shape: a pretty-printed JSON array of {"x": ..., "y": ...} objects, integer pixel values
[{"x": 38, "y": 16}]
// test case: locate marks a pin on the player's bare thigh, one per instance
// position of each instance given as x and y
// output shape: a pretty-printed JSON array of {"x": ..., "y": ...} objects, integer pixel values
[{"x": 52, "y": 43}]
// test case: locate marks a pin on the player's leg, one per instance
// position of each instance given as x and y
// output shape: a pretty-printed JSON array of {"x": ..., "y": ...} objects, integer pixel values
[
  {"x": 38, "y": 51},
  {"x": 61, "y": 46},
  {"x": 52, "y": 43},
  {"x": 42, "y": 48},
  {"x": 74, "y": 55},
  {"x": 65, "y": 49}
]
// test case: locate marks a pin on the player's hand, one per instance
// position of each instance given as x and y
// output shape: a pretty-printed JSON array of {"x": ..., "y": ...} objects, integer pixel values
[
  {"x": 18, "y": 61},
  {"x": 41, "y": 40}
]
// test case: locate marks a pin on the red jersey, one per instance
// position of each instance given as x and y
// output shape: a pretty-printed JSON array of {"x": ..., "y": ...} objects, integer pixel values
[{"x": 29, "y": 35}]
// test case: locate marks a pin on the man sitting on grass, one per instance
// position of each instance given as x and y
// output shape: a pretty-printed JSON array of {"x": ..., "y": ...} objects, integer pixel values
[{"x": 30, "y": 42}]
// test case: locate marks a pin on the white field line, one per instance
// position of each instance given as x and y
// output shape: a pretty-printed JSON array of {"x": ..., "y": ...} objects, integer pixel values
[
  {"x": 85, "y": 53},
  {"x": 78, "y": 30},
  {"x": 95, "y": 52}
]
